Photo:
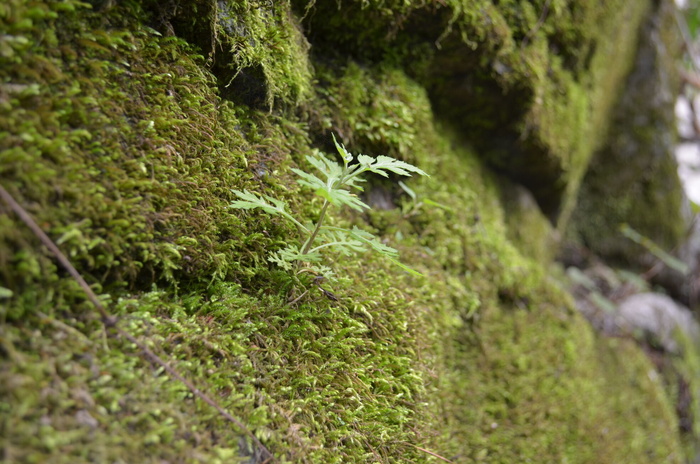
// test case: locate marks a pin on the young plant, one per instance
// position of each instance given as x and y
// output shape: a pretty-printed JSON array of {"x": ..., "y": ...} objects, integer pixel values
[{"x": 334, "y": 184}]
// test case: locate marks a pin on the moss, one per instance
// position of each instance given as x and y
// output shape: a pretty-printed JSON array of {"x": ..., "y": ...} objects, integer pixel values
[
  {"x": 633, "y": 178},
  {"x": 255, "y": 49},
  {"x": 685, "y": 387},
  {"x": 527, "y": 83},
  {"x": 117, "y": 139},
  {"x": 527, "y": 228}
]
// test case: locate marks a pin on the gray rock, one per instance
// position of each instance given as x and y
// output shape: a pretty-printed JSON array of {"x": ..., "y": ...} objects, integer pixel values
[{"x": 659, "y": 317}]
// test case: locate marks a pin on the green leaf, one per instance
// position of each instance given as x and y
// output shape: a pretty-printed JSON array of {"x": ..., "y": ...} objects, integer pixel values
[
  {"x": 430, "y": 202},
  {"x": 268, "y": 204},
  {"x": 329, "y": 168},
  {"x": 332, "y": 182},
  {"x": 409, "y": 191},
  {"x": 408, "y": 269},
  {"x": 373, "y": 242},
  {"x": 311, "y": 181},
  {"x": 286, "y": 257},
  {"x": 346, "y": 155},
  {"x": 340, "y": 240},
  {"x": 386, "y": 163},
  {"x": 335, "y": 195},
  {"x": 602, "y": 302}
]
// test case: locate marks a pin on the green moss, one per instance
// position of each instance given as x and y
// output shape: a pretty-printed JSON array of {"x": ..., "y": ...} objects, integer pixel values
[
  {"x": 117, "y": 140},
  {"x": 265, "y": 37},
  {"x": 255, "y": 49},
  {"x": 527, "y": 83},
  {"x": 633, "y": 178},
  {"x": 527, "y": 227}
]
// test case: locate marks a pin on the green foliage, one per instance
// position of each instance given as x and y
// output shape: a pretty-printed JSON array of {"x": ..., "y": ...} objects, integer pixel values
[
  {"x": 692, "y": 17},
  {"x": 334, "y": 186}
]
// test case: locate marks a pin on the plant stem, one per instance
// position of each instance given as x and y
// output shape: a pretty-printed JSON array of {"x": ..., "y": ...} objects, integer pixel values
[{"x": 310, "y": 241}]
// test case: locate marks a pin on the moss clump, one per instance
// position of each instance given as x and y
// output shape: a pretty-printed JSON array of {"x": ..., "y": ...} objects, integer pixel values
[
  {"x": 117, "y": 140},
  {"x": 527, "y": 227},
  {"x": 255, "y": 49}
]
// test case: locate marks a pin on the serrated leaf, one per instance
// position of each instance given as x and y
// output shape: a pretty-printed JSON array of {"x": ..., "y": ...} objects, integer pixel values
[
  {"x": 373, "y": 242},
  {"x": 286, "y": 257},
  {"x": 330, "y": 169},
  {"x": 344, "y": 197},
  {"x": 332, "y": 182},
  {"x": 365, "y": 160},
  {"x": 309, "y": 180},
  {"x": 340, "y": 240},
  {"x": 386, "y": 163},
  {"x": 268, "y": 204}
]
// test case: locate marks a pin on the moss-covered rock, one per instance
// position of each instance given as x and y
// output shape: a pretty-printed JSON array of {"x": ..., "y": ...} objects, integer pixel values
[
  {"x": 529, "y": 84},
  {"x": 116, "y": 136},
  {"x": 255, "y": 49},
  {"x": 633, "y": 177}
]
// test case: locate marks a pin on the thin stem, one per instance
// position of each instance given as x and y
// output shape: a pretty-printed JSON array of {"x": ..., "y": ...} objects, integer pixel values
[
  {"x": 299, "y": 225},
  {"x": 310, "y": 241},
  {"x": 329, "y": 244}
]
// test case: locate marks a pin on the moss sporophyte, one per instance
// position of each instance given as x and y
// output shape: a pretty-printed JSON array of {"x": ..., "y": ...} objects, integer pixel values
[{"x": 334, "y": 185}]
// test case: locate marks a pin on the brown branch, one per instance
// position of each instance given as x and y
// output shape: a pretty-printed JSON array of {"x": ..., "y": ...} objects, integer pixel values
[
  {"x": 691, "y": 78},
  {"x": 435, "y": 455},
  {"x": 540, "y": 22},
  {"x": 110, "y": 321}
]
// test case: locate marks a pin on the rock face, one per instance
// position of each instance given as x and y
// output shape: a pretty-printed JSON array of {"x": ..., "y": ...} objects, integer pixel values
[
  {"x": 123, "y": 130},
  {"x": 529, "y": 85},
  {"x": 620, "y": 304},
  {"x": 633, "y": 176}
]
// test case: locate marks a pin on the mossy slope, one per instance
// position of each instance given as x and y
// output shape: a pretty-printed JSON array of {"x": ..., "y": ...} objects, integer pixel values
[{"x": 115, "y": 138}]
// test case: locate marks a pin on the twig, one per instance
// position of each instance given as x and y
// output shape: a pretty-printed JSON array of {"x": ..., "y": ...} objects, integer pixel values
[
  {"x": 110, "y": 321},
  {"x": 687, "y": 40},
  {"x": 536, "y": 28},
  {"x": 435, "y": 455}
]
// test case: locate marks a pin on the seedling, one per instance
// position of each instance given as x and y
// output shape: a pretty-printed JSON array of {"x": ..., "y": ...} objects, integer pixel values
[{"x": 334, "y": 184}]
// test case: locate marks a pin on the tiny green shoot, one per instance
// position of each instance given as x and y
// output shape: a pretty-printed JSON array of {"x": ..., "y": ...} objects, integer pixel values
[{"x": 334, "y": 183}]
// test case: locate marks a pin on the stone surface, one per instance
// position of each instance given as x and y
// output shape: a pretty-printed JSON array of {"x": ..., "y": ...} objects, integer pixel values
[
  {"x": 529, "y": 84},
  {"x": 633, "y": 176},
  {"x": 659, "y": 318}
]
